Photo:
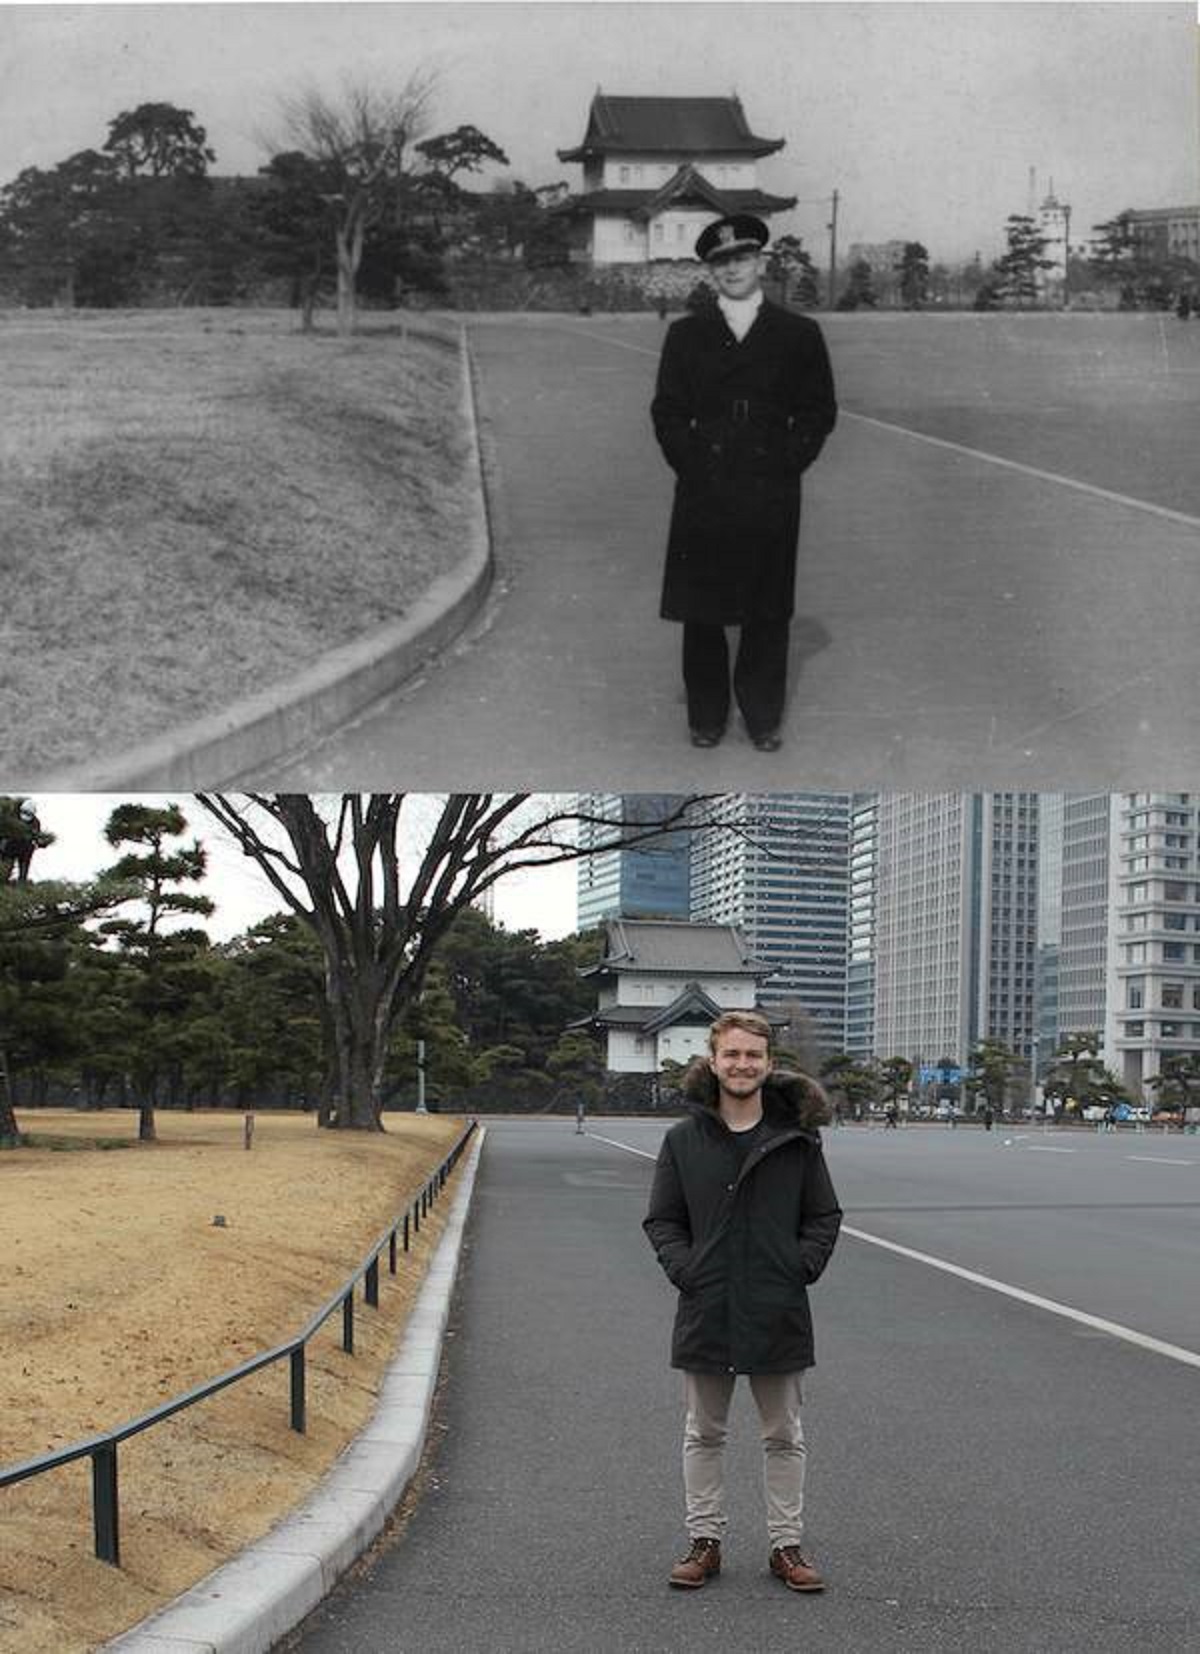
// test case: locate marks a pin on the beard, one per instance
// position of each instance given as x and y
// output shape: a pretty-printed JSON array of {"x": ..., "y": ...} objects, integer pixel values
[{"x": 740, "y": 1086}]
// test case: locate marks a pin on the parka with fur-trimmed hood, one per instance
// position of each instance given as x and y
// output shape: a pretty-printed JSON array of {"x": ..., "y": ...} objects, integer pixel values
[{"x": 743, "y": 1245}]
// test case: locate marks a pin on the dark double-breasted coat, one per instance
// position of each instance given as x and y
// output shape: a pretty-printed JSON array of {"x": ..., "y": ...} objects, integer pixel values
[
  {"x": 738, "y": 423},
  {"x": 744, "y": 1242}
]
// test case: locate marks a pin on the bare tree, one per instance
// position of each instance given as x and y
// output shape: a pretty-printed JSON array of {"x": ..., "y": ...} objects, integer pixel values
[
  {"x": 359, "y": 139},
  {"x": 380, "y": 877}
]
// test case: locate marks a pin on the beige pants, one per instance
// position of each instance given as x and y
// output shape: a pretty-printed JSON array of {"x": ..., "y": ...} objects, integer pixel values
[{"x": 777, "y": 1397}]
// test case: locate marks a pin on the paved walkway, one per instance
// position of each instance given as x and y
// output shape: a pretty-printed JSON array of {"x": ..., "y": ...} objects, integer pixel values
[
  {"x": 960, "y": 622},
  {"x": 976, "y": 1476}
]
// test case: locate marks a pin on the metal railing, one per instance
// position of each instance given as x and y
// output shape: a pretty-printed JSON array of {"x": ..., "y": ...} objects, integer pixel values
[{"x": 102, "y": 1448}]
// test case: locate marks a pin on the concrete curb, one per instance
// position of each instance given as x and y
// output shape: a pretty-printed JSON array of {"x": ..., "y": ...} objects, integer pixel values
[
  {"x": 248, "y": 1604},
  {"x": 244, "y": 739}
]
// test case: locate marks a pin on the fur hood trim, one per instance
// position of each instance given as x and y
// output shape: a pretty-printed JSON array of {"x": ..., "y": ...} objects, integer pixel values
[{"x": 789, "y": 1097}]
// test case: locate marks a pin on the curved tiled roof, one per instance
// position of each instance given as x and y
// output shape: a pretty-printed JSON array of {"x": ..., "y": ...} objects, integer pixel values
[
  {"x": 668, "y": 126},
  {"x": 676, "y": 947},
  {"x": 687, "y": 185}
]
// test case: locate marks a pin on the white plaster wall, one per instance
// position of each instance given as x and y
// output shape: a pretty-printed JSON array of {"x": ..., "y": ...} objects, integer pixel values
[
  {"x": 673, "y": 234},
  {"x": 682, "y": 1044},
  {"x": 612, "y": 244},
  {"x": 623, "y": 1055},
  {"x": 651, "y": 172}
]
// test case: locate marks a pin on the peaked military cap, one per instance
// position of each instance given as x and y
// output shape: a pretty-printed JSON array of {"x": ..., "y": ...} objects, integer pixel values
[{"x": 735, "y": 234}]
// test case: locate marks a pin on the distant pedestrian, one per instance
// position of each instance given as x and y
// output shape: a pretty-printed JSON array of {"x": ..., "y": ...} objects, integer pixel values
[
  {"x": 989, "y": 1115},
  {"x": 743, "y": 1218},
  {"x": 744, "y": 402},
  {"x": 890, "y": 1115}
]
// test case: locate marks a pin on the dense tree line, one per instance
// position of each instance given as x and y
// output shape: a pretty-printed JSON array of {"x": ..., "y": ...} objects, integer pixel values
[
  {"x": 243, "y": 1024},
  {"x": 112, "y": 993},
  {"x": 110, "y": 1015},
  {"x": 355, "y": 203}
]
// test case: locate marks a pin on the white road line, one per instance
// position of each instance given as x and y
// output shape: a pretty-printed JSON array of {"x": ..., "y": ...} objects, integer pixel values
[
  {"x": 1032, "y": 471},
  {"x": 1160, "y": 1159},
  {"x": 612, "y": 1143},
  {"x": 1050, "y": 1148},
  {"x": 1143, "y": 1341},
  {"x": 1190, "y": 1358},
  {"x": 618, "y": 344},
  {"x": 1092, "y": 488}
]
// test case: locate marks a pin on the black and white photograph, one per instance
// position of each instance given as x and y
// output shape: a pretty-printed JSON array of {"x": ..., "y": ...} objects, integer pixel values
[
  {"x": 599, "y": 826},
  {"x": 333, "y": 334}
]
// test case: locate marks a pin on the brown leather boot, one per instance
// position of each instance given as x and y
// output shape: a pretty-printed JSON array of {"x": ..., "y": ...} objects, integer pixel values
[
  {"x": 796, "y": 1573},
  {"x": 702, "y": 1563}
]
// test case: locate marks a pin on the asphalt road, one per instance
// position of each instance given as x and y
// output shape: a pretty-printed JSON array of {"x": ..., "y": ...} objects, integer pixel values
[
  {"x": 983, "y": 1473},
  {"x": 992, "y": 590}
]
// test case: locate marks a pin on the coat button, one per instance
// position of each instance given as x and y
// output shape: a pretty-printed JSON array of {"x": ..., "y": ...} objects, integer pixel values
[{"x": 729, "y": 1187}]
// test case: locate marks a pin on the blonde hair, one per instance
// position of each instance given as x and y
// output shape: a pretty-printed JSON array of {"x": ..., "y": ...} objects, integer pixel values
[{"x": 750, "y": 1022}]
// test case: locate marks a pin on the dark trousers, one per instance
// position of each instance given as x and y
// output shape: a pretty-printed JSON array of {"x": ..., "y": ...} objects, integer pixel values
[{"x": 759, "y": 674}]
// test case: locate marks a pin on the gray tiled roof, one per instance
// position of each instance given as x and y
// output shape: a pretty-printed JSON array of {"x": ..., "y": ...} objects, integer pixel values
[
  {"x": 663, "y": 945},
  {"x": 693, "y": 1004},
  {"x": 684, "y": 126},
  {"x": 645, "y": 203}
]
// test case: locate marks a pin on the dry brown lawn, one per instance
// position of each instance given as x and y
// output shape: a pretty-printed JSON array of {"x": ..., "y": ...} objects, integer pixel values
[
  {"x": 120, "y": 1292},
  {"x": 196, "y": 504}
]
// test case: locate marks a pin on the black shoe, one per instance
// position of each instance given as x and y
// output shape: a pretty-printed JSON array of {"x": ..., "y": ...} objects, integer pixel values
[
  {"x": 770, "y": 740},
  {"x": 707, "y": 737}
]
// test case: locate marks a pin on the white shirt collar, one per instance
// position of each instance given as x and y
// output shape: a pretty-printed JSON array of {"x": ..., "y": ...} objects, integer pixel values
[{"x": 740, "y": 313}]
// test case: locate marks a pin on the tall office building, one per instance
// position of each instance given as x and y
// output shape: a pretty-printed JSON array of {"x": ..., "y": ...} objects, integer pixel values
[
  {"x": 649, "y": 881},
  {"x": 1085, "y": 913},
  {"x": 955, "y": 923},
  {"x": 1153, "y": 1002},
  {"x": 1049, "y": 924},
  {"x": 860, "y": 963},
  {"x": 781, "y": 877}
]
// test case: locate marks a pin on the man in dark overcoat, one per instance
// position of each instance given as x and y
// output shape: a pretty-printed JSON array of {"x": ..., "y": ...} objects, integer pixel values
[
  {"x": 744, "y": 402},
  {"x": 743, "y": 1218}
]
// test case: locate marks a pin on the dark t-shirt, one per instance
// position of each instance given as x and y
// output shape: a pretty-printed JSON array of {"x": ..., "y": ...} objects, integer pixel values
[{"x": 744, "y": 1141}]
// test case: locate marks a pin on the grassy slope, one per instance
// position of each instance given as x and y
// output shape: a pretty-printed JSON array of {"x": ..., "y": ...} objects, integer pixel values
[
  {"x": 120, "y": 1293},
  {"x": 196, "y": 504}
]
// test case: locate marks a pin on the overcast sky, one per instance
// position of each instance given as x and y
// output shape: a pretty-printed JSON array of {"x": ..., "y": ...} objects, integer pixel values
[
  {"x": 541, "y": 900},
  {"x": 926, "y": 118}
]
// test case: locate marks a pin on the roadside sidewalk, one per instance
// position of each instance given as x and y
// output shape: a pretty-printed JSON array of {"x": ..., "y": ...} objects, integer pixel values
[{"x": 245, "y": 1606}]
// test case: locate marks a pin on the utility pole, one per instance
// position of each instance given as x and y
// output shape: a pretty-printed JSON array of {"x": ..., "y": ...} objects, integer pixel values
[
  {"x": 1066, "y": 212},
  {"x": 832, "y": 228}
]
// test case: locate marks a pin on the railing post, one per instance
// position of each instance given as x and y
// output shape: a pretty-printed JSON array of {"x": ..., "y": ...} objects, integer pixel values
[
  {"x": 371, "y": 1286},
  {"x": 417, "y": 1216},
  {"x": 299, "y": 1420},
  {"x": 105, "y": 1518},
  {"x": 348, "y": 1322},
  {"x": 406, "y": 1231},
  {"x": 392, "y": 1252}
]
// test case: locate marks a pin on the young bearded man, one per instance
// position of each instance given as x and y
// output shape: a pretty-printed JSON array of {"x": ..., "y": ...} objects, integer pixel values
[
  {"x": 744, "y": 1218},
  {"x": 743, "y": 403}
]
